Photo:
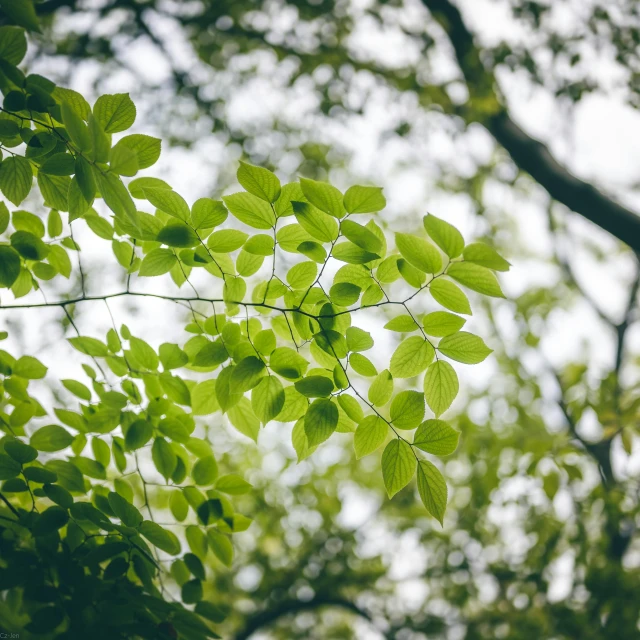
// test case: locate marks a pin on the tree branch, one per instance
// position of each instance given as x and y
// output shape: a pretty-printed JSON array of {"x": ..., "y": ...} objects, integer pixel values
[
  {"x": 530, "y": 154},
  {"x": 268, "y": 617},
  {"x": 621, "y": 329}
]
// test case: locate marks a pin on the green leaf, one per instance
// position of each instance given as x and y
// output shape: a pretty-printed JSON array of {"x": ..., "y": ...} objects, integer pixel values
[
  {"x": 442, "y": 323},
  {"x": 445, "y": 235},
  {"x": 300, "y": 441},
  {"x": 124, "y": 510},
  {"x": 226, "y": 240},
  {"x": 251, "y": 210},
  {"x": 203, "y": 398},
  {"x": 100, "y": 141},
  {"x": 233, "y": 484},
  {"x": 168, "y": 201},
  {"x": 164, "y": 457},
  {"x": 75, "y": 126},
  {"x": 464, "y": 347},
  {"x": 137, "y": 435},
  {"x": 25, "y": 221},
  {"x": 137, "y": 186},
  {"x": 146, "y": 148},
  {"x": 159, "y": 537},
  {"x": 259, "y": 181},
  {"x": 381, "y": 389},
  {"x": 247, "y": 373},
  {"x": 419, "y": 253},
  {"x": 314, "y": 251},
  {"x": 29, "y": 246},
  {"x": 157, "y": 262},
  {"x": 177, "y": 234},
  {"x": 412, "y": 357},
  {"x": 369, "y": 435},
  {"x": 9, "y": 468},
  {"x": 192, "y": 591},
  {"x": 436, "y": 437},
  {"x": 179, "y": 506},
  {"x": 318, "y": 224},
  {"x": 358, "y": 339},
  {"x": 477, "y": 278},
  {"x": 362, "y": 365},
  {"x": 89, "y": 467},
  {"x": 59, "y": 164},
  {"x": 221, "y": 546},
  {"x": 410, "y": 274},
  {"x": 116, "y": 196},
  {"x": 89, "y": 346},
  {"x": 320, "y": 421},
  {"x": 16, "y": 178},
  {"x": 13, "y": 44},
  {"x": 20, "y": 451},
  {"x": 78, "y": 389},
  {"x": 295, "y": 405},
  {"x": 67, "y": 474},
  {"x": 23, "y": 13},
  {"x": 485, "y": 256},
  {"x": 54, "y": 223},
  {"x": 323, "y": 196},
  {"x": 288, "y": 363},
  {"x": 440, "y": 386},
  {"x": 314, "y": 386},
  {"x": 143, "y": 353},
  {"x": 41, "y": 475},
  {"x": 450, "y": 296},
  {"x": 360, "y": 236},
  {"x": 243, "y": 419},
  {"x": 352, "y": 254},
  {"x": 51, "y": 520},
  {"x": 398, "y": 466},
  {"x": 123, "y": 160},
  {"x": 359, "y": 199},
  {"x": 260, "y": 245},
  {"x": 267, "y": 398},
  {"x": 30, "y": 368},
  {"x": 302, "y": 275},
  {"x": 115, "y": 112},
  {"x": 432, "y": 489},
  {"x": 205, "y": 471},
  {"x": 9, "y": 265},
  {"x": 344, "y": 294},
  {"x": 51, "y": 438},
  {"x": 402, "y": 324},
  {"x": 407, "y": 410},
  {"x": 211, "y": 355},
  {"x": 59, "y": 495},
  {"x": 332, "y": 343},
  {"x": 207, "y": 213},
  {"x": 85, "y": 179},
  {"x": 291, "y": 236}
]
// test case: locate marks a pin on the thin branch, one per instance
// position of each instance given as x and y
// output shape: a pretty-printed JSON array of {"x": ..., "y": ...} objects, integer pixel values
[
  {"x": 6, "y": 501},
  {"x": 568, "y": 271},
  {"x": 289, "y": 607},
  {"x": 621, "y": 328}
]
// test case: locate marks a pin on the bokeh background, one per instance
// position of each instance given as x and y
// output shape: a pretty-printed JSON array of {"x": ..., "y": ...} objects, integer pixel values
[{"x": 540, "y": 537}]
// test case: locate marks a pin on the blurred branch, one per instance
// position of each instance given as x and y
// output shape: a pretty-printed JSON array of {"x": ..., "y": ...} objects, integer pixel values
[
  {"x": 621, "y": 328},
  {"x": 288, "y": 607},
  {"x": 530, "y": 154},
  {"x": 566, "y": 267}
]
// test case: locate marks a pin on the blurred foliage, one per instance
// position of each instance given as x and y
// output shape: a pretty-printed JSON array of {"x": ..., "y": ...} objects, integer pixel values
[{"x": 540, "y": 491}]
